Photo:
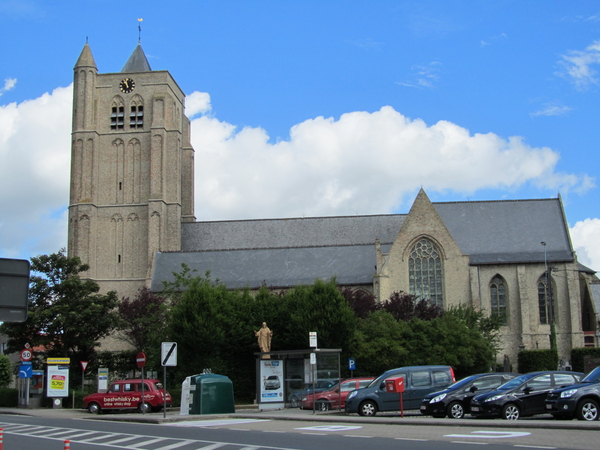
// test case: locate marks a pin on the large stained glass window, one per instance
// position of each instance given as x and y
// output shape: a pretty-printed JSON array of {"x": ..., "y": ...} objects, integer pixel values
[
  {"x": 546, "y": 299},
  {"x": 425, "y": 272},
  {"x": 498, "y": 298}
]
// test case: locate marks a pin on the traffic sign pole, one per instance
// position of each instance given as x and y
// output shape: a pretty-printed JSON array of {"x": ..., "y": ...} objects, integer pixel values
[{"x": 140, "y": 360}]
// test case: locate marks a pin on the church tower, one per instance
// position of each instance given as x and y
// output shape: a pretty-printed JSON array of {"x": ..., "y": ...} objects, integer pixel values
[{"x": 132, "y": 163}]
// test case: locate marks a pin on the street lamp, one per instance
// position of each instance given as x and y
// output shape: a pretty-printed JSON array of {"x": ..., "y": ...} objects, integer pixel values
[{"x": 548, "y": 292}]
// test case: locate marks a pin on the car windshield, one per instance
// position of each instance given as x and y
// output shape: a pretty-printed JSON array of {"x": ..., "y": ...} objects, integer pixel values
[
  {"x": 593, "y": 376},
  {"x": 514, "y": 383},
  {"x": 461, "y": 383}
]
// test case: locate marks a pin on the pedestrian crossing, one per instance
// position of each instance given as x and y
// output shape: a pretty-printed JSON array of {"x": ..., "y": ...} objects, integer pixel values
[{"x": 121, "y": 440}]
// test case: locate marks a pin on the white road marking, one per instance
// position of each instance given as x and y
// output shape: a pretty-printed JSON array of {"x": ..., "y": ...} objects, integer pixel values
[
  {"x": 330, "y": 428},
  {"x": 469, "y": 443},
  {"x": 409, "y": 439},
  {"x": 213, "y": 423},
  {"x": 357, "y": 436},
  {"x": 533, "y": 446},
  {"x": 490, "y": 434}
]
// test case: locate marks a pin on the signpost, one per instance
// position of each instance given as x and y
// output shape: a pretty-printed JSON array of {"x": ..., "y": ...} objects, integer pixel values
[
  {"x": 140, "y": 360},
  {"x": 168, "y": 357},
  {"x": 26, "y": 372},
  {"x": 83, "y": 366}
]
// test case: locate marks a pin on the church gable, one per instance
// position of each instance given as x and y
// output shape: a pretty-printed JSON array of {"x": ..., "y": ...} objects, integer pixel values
[{"x": 424, "y": 259}]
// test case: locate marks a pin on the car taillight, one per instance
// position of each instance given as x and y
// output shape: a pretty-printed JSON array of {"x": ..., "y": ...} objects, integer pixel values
[{"x": 452, "y": 374}]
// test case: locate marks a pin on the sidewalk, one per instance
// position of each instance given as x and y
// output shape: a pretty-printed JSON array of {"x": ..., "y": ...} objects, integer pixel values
[{"x": 411, "y": 418}]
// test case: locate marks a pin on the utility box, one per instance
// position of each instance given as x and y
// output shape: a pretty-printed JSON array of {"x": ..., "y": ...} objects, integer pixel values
[
  {"x": 211, "y": 394},
  {"x": 395, "y": 384}
]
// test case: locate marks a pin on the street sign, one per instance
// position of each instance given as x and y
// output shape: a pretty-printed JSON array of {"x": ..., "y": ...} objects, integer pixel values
[
  {"x": 351, "y": 364},
  {"x": 25, "y": 371},
  {"x": 312, "y": 339},
  {"x": 140, "y": 360},
  {"x": 26, "y": 355},
  {"x": 168, "y": 354},
  {"x": 83, "y": 365}
]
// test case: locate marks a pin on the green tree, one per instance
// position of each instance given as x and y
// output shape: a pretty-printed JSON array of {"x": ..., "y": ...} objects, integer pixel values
[
  {"x": 379, "y": 344},
  {"x": 143, "y": 319},
  {"x": 66, "y": 314},
  {"x": 5, "y": 371},
  {"x": 320, "y": 307}
]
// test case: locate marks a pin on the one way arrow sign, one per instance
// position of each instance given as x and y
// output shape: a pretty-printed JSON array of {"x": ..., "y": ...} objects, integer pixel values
[{"x": 169, "y": 354}]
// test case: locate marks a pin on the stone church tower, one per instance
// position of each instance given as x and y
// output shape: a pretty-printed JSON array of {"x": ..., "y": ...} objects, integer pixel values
[{"x": 132, "y": 169}]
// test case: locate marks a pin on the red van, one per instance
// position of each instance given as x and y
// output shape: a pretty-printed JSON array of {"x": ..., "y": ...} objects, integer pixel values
[{"x": 127, "y": 394}]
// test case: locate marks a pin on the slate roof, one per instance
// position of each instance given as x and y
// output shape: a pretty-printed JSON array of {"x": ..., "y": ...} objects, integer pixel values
[
  {"x": 287, "y": 252},
  {"x": 137, "y": 62}
]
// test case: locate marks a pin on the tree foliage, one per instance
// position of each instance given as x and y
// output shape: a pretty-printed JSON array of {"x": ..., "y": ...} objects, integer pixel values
[
  {"x": 143, "y": 319},
  {"x": 66, "y": 316},
  {"x": 6, "y": 374}
]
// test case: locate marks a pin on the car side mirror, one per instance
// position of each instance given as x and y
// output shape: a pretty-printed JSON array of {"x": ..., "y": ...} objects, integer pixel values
[
  {"x": 528, "y": 390},
  {"x": 337, "y": 391},
  {"x": 473, "y": 388}
]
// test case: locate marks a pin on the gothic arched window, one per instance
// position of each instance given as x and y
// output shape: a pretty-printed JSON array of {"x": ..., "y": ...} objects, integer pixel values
[
  {"x": 425, "y": 272},
  {"x": 117, "y": 114},
  {"x": 546, "y": 299},
  {"x": 498, "y": 297},
  {"x": 136, "y": 116}
]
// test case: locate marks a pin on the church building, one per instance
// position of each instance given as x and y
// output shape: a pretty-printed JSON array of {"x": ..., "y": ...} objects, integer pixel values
[{"x": 131, "y": 218}]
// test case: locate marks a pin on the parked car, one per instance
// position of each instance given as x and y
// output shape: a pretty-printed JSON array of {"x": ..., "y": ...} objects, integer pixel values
[
  {"x": 418, "y": 382},
  {"x": 127, "y": 394},
  {"x": 581, "y": 400},
  {"x": 320, "y": 386},
  {"x": 335, "y": 396},
  {"x": 522, "y": 396},
  {"x": 272, "y": 382},
  {"x": 455, "y": 400}
]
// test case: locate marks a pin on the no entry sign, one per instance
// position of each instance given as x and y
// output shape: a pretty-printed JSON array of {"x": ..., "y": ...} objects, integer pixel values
[{"x": 140, "y": 360}]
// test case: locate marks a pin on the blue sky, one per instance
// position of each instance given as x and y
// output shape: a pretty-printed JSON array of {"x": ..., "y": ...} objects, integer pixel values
[{"x": 304, "y": 108}]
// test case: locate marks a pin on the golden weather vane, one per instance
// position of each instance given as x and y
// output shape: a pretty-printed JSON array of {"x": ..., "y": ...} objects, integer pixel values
[{"x": 140, "y": 30}]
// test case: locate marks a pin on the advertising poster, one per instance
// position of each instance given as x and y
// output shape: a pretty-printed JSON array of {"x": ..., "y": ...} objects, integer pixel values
[
  {"x": 271, "y": 387},
  {"x": 58, "y": 381}
]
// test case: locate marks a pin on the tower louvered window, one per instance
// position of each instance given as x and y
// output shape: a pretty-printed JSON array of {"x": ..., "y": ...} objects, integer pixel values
[
  {"x": 136, "y": 116},
  {"x": 117, "y": 117},
  {"x": 425, "y": 272}
]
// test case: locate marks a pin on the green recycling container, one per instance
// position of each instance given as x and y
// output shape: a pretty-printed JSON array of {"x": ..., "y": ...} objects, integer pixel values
[{"x": 211, "y": 394}]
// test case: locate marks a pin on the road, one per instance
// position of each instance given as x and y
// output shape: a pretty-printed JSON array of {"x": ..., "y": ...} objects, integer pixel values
[{"x": 48, "y": 433}]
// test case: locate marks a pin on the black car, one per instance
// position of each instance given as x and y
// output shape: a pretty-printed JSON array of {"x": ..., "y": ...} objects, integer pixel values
[
  {"x": 581, "y": 400},
  {"x": 522, "y": 396},
  {"x": 455, "y": 400}
]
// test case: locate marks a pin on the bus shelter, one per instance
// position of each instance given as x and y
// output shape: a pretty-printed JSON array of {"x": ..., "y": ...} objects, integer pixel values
[{"x": 283, "y": 377}]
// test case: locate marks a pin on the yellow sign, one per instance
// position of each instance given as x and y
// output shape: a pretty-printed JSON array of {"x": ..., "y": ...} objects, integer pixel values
[{"x": 58, "y": 361}]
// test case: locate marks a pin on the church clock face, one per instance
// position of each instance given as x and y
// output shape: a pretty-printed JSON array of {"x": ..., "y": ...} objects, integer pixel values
[{"x": 127, "y": 85}]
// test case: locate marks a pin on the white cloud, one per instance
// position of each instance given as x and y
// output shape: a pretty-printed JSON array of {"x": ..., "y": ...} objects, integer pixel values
[
  {"x": 578, "y": 65},
  {"x": 197, "y": 103},
  {"x": 9, "y": 84},
  {"x": 551, "y": 109},
  {"x": 586, "y": 240},
  {"x": 34, "y": 173},
  {"x": 361, "y": 163},
  {"x": 423, "y": 76}
]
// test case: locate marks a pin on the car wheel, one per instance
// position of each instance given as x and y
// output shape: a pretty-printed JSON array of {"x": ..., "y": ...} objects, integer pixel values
[
  {"x": 294, "y": 401},
  {"x": 323, "y": 406},
  {"x": 144, "y": 408},
  {"x": 587, "y": 410},
  {"x": 94, "y": 408},
  {"x": 367, "y": 408},
  {"x": 456, "y": 410},
  {"x": 511, "y": 412}
]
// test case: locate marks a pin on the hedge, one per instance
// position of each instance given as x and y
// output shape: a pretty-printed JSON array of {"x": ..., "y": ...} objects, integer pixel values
[{"x": 537, "y": 360}]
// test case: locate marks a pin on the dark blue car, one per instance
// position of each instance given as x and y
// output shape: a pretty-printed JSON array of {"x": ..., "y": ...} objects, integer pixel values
[{"x": 522, "y": 396}]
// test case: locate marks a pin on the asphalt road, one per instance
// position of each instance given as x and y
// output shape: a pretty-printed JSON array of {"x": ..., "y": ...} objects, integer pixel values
[{"x": 284, "y": 430}]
